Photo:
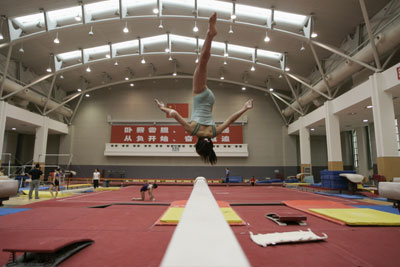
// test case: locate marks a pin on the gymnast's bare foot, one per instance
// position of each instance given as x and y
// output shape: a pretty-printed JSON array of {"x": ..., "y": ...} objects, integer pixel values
[{"x": 212, "y": 29}]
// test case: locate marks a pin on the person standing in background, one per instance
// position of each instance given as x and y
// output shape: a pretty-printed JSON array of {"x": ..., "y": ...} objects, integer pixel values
[
  {"x": 35, "y": 175},
  {"x": 96, "y": 178},
  {"x": 227, "y": 173},
  {"x": 253, "y": 181}
]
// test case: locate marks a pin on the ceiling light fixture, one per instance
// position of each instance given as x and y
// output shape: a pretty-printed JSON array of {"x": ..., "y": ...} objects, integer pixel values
[
  {"x": 267, "y": 39},
  {"x": 233, "y": 15},
  {"x": 126, "y": 30},
  {"x": 244, "y": 88},
  {"x": 13, "y": 129},
  {"x": 302, "y": 48},
  {"x": 155, "y": 10},
  {"x": 116, "y": 63},
  {"x": 230, "y": 29},
  {"x": 195, "y": 28},
  {"x": 61, "y": 76},
  {"x": 161, "y": 26},
  {"x": 170, "y": 58},
  {"x": 312, "y": 129},
  {"x": 221, "y": 73},
  {"x": 280, "y": 76},
  {"x": 131, "y": 85},
  {"x": 365, "y": 120},
  {"x": 271, "y": 89},
  {"x": 143, "y": 61},
  {"x": 79, "y": 90},
  {"x": 225, "y": 62},
  {"x": 1, "y": 28},
  {"x": 49, "y": 66},
  {"x": 78, "y": 18},
  {"x": 369, "y": 106},
  {"x": 88, "y": 69},
  {"x": 287, "y": 69},
  {"x": 314, "y": 35},
  {"x": 252, "y": 68},
  {"x": 91, "y": 33},
  {"x": 21, "y": 49},
  {"x": 174, "y": 73},
  {"x": 56, "y": 40},
  {"x": 87, "y": 95}
]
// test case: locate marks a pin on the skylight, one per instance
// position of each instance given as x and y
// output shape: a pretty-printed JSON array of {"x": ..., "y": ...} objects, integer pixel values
[
  {"x": 97, "y": 50},
  {"x": 124, "y": 45},
  {"x": 65, "y": 13},
  {"x": 104, "y": 49},
  {"x": 30, "y": 20},
  {"x": 69, "y": 55},
  {"x": 102, "y": 6},
  {"x": 290, "y": 18},
  {"x": 154, "y": 39}
]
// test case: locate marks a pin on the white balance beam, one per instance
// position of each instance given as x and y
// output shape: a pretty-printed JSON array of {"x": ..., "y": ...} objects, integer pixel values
[{"x": 203, "y": 237}]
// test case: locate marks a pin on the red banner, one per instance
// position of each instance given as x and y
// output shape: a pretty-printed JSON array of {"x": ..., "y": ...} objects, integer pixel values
[
  {"x": 168, "y": 134},
  {"x": 398, "y": 73},
  {"x": 181, "y": 108}
]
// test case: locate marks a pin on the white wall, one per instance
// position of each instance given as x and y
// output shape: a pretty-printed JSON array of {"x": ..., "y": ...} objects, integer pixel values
[{"x": 263, "y": 132}]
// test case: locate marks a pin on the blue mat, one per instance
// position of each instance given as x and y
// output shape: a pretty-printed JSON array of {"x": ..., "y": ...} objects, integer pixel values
[
  {"x": 384, "y": 208},
  {"x": 6, "y": 211},
  {"x": 269, "y": 181},
  {"x": 341, "y": 195}
]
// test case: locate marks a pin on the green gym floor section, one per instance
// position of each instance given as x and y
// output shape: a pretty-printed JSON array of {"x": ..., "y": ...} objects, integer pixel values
[{"x": 359, "y": 216}]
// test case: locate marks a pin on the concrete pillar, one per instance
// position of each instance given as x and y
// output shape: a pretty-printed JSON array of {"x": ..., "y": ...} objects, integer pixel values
[
  {"x": 3, "y": 119},
  {"x": 39, "y": 153},
  {"x": 388, "y": 160},
  {"x": 362, "y": 143},
  {"x": 334, "y": 148},
  {"x": 305, "y": 148},
  {"x": 289, "y": 158}
]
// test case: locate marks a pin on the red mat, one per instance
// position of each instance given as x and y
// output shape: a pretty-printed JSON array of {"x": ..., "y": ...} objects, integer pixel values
[
  {"x": 306, "y": 205},
  {"x": 43, "y": 244}
]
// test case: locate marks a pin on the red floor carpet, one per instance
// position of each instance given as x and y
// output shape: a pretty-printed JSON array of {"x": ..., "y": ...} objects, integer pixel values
[{"x": 125, "y": 235}]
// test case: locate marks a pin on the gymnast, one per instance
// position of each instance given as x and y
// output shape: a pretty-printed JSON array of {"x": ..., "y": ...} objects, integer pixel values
[
  {"x": 202, "y": 124},
  {"x": 149, "y": 188}
]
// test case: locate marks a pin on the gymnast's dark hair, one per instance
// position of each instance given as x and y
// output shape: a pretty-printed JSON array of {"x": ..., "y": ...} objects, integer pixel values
[
  {"x": 155, "y": 185},
  {"x": 204, "y": 147}
]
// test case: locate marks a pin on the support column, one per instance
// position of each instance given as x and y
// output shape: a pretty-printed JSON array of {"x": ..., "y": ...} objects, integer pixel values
[
  {"x": 289, "y": 158},
  {"x": 334, "y": 148},
  {"x": 362, "y": 143},
  {"x": 388, "y": 160},
  {"x": 305, "y": 148},
  {"x": 3, "y": 118},
  {"x": 39, "y": 153}
]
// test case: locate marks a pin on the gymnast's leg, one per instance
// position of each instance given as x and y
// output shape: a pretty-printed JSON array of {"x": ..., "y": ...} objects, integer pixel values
[{"x": 200, "y": 73}]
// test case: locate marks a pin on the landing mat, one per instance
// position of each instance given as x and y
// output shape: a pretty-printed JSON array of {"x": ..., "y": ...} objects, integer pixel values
[
  {"x": 6, "y": 211},
  {"x": 357, "y": 216},
  {"x": 384, "y": 208}
]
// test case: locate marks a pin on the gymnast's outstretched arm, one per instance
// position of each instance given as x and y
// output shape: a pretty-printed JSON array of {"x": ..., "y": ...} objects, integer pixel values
[
  {"x": 174, "y": 114},
  {"x": 232, "y": 118}
]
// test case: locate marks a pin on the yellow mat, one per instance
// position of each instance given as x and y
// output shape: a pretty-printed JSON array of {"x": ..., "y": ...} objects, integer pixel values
[
  {"x": 360, "y": 216},
  {"x": 108, "y": 188},
  {"x": 374, "y": 201},
  {"x": 79, "y": 185},
  {"x": 46, "y": 194},
  {"x": 174, "y": 214}
]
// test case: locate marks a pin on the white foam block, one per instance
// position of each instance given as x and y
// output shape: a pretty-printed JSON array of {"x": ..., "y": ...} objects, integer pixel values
[
  {"x": 352, "y": 177},
  {"x": 389, "y": 190},
  {"x": 285, "y": 237}
]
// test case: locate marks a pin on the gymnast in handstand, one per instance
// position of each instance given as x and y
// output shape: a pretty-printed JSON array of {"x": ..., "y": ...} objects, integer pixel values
[{"x": 202, "y": 124}]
